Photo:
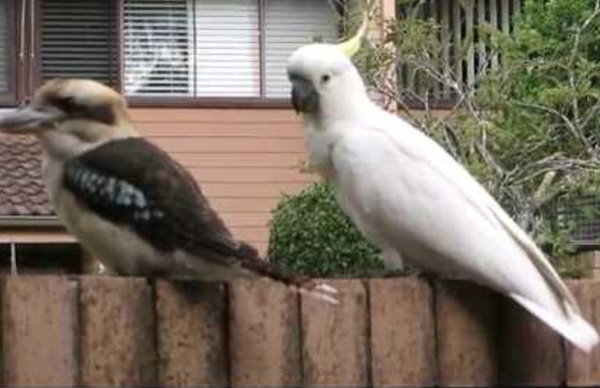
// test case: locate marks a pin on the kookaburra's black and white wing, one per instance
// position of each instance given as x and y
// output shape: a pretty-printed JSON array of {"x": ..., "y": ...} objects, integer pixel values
[{"x": 127, "y": 201}]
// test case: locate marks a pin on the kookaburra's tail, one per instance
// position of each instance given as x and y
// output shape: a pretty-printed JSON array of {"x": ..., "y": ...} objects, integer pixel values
[
  {"x": 247, "y": 251},
  {"x": 252, "y": 260}
]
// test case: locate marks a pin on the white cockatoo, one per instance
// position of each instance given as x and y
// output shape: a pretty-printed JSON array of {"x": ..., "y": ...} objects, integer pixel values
[{"x": 412, "y": 199}]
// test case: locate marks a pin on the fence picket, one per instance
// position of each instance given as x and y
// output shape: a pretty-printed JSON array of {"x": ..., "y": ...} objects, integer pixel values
[
  {"x": 39, "y": 316},
  {"x": 117, "y": 332},
  {"x": 466, "y": 326},
  {"x": 335, "y": 338},
  {"x": 191, "y": 336},
  {"x": 402, "y": 333}
]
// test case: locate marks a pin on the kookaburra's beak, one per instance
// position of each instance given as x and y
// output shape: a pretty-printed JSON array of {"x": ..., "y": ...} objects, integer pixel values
[
  {"x": 305, "y": 98},
  {"x": 29, "y": 119}
]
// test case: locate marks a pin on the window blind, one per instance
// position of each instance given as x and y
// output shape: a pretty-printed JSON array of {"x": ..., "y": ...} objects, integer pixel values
[
  {"x": 5, "y": 40},
  {"x": 227, "y": 48},
  {"x": 288, "y": 25},
  {"x": 78, "y": 40},
  {"x": 211, "y": 48},
  {"x": 158, "y": 47}
]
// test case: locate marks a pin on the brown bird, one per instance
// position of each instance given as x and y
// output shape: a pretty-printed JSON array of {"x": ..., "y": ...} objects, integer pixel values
[{"x": 128, "y": 202}]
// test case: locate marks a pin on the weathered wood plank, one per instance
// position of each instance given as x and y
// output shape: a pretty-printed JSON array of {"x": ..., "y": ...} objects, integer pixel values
[
  {"x": 39, "y": 331},
  {"x": 335, "y": 338},
  {"x": 243, "y": 175},
  {"x": 264, "y": 342},
  {"x": 203, "y": 115},
  {"x": 191, "y": 335},
  {"x": 220, "y": 129},
  {"x": 402, "y": 333},
  {"x": 584, "y": 369},
  {"x": 531, "y": 354},
  {"x": 117, "y": 332},
  {"x": 291, "y": 160},
  {"x": 466, "y": 325},
  {"x": 243, "y": 205},
  {"x": 171, "y": 144},
  {"x": 251, "y": 191}
]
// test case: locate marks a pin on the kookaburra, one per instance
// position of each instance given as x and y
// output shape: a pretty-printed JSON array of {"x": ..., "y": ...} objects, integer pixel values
[{"x": 128, "y": 202}]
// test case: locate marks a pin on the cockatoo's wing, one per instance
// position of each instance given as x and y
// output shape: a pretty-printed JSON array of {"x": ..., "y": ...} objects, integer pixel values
[{"x": 401, "y": 187}]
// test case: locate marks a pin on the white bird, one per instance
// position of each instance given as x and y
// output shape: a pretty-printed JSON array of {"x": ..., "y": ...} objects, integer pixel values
[
  {"x": 412, "y": 199},
  {"x": 128, "y": 202}
]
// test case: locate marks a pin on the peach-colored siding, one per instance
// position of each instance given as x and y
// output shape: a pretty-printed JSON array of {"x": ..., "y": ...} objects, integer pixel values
[
  {"x": 24, "y": 236},
  {"x": 243, "y": 159}
]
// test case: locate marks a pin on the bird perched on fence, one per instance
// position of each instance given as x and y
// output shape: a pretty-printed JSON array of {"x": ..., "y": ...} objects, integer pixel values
[
  {"x": 128, "y": 202},
  {"x": 412, "y": 199}
]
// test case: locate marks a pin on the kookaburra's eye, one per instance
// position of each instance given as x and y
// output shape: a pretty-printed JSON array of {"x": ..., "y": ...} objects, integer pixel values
[
  {"x": 325, "y": 78},
  {"x": 67, "y": 104}
]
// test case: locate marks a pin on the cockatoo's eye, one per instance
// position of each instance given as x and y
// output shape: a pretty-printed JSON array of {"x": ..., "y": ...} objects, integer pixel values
[{"x": 325, "y": 78}]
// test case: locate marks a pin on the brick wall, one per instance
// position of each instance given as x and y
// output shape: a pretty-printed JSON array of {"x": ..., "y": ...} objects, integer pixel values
[{"x": 109, "y": 331}]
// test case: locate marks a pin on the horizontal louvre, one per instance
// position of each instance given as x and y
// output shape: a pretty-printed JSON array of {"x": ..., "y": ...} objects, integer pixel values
[
  {"x": 290, "y": 24},
  {"x": 5, "y": 41},
  {"x": 467, "y": 55},
  {"x": 78, "y": 40},
  {"x": 157, "y": 47},
  {"x": 227, "y": 48}
]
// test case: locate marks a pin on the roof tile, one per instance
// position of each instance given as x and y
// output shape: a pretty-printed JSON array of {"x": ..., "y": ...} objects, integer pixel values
[{"x": 21, "y": 186}]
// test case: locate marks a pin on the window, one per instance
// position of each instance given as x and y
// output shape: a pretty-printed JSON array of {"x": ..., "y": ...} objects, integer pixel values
[
  {"x": 77, "y": 40},
  {"x": 227, "y": 48},
  {"x": 465, "y": 55},
  {"x": 288, "y": 25},
  {"x": 160, "y": 50},
  {"x": 213, "y": 48},
  {"x": 156, "y": 43}
]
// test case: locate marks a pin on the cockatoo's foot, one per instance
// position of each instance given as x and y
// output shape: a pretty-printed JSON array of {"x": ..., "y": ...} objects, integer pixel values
[
  {"x": 428, "y": 275},
  {"x": 407, "y": 272},
  {"x": 412, "y": 272},
  {"x": 373, "y": 273},
  {"x": 391, "y": 273},
  {"x": 316, "y": 289}
]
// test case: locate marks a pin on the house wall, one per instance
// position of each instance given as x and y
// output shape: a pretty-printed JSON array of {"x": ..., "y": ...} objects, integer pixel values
[{"x": 243, "y": 159}]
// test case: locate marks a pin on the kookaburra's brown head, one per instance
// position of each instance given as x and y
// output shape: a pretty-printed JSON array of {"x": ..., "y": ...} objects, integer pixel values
[{"x": 71, "y": 116}]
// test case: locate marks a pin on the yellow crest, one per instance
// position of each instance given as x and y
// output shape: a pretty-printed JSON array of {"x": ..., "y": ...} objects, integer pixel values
[{"x": 352, "y": 45}]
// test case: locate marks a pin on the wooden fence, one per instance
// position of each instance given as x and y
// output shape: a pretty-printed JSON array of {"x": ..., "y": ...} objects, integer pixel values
[{"x": 109, "y": 331}]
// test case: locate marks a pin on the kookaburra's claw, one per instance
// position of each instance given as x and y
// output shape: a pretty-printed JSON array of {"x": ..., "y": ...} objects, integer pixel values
[
  {"x": 326, "y": 288},
  {"x": 319, "y": 295},
  {"x": 318, "y": 290}
]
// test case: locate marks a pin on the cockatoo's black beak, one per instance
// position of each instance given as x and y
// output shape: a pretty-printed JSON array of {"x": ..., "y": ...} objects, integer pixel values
[{"x": 305, "y": 98}]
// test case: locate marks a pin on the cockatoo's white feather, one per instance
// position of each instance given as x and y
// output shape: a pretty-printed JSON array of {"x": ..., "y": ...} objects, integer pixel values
[
  {"x": 424, "y": 204},
  {"x": 412, "y": 199}
]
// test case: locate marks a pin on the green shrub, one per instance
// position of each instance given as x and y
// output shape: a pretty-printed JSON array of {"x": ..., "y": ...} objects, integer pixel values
[{"x": 309, "y": 235}]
